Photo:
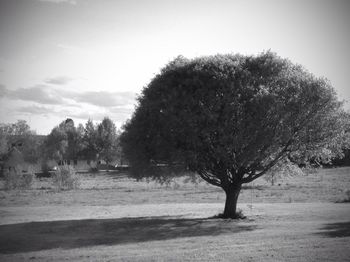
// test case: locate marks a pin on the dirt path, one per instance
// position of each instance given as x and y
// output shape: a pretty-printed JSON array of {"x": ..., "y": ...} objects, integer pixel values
[{"x": 176, "y": 232}]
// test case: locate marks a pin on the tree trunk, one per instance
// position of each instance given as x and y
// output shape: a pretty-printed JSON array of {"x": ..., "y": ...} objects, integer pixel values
[{"x": 232, "y": 193}]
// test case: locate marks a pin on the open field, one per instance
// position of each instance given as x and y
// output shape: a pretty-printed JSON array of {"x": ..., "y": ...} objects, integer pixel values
[{"x": 113, "y": 218}]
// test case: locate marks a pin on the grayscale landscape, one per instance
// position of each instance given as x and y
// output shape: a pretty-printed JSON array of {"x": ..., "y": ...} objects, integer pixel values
[{"x": 162, "y": 130}]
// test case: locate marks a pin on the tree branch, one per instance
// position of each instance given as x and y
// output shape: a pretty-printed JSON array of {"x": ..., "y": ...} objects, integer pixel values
[
  {"x": 254, "y": 176},
  {"x": 209, "y": 178}
]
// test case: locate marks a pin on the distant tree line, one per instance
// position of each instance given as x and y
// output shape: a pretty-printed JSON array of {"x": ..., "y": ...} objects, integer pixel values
[
  {"x": 89, "y": 142},
  {"x": 65, "y": 141}
]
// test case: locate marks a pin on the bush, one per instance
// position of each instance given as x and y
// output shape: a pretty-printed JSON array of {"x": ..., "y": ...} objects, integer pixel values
[
  {"x": 93, "y": 170},
  {"x": 15, "y": 178},
  {"x": 65, "y": 178},
  {"x": 346, "y": 198}
]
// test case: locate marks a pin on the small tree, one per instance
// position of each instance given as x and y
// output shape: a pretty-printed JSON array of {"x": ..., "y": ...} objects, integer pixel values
[{"x": 231, "y": 118}]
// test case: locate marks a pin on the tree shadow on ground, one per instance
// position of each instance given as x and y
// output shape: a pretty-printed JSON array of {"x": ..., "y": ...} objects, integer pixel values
[
  {"x": 35, "y": 236},
  {"x": 336, "y": 230}
]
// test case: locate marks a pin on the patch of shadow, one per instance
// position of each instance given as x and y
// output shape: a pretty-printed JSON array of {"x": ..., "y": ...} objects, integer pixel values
[
  {"x": 336, "y": 230},
  {"x": 36, "y": 236}
]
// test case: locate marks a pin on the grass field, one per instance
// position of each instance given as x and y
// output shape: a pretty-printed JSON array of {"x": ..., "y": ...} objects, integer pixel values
[{"x": 114, "y": 218}]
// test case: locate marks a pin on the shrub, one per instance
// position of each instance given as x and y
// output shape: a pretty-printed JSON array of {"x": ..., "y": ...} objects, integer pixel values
[
  {"x": 93, "y": 170},
  {"x": 65, "y": 178},
  {"x": 15, "y": 178},
  {"x": 346, "y": 198}
]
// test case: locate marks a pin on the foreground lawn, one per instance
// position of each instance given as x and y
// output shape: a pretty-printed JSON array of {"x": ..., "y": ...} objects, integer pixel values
[
  {"x": 113, "y": 218},
  {"x": 273, "y": 232}
]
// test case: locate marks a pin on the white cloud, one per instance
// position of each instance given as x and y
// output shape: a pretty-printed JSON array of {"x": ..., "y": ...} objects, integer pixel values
[
  {"x": 48, "y": 95},
  {"x": 39, "y": 93},
  {"x": 51, "y": 103}
]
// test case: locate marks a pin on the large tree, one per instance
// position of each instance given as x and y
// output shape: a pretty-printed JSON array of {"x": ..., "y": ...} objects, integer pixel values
[{"x": 231, "y": 118}]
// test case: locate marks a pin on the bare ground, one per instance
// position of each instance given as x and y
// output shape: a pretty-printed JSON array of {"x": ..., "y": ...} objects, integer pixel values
[{"x": 116, "y": 219}]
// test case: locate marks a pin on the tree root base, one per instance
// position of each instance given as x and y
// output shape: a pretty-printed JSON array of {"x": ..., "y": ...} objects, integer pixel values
[{"x": 238, "y": 215}]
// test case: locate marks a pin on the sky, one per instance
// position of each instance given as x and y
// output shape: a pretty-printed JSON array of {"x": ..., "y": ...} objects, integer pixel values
[{"x": 84, "y": 59}]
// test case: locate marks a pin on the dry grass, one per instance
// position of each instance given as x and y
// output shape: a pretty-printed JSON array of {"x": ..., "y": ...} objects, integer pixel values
[{"x": 106, "y": 189}]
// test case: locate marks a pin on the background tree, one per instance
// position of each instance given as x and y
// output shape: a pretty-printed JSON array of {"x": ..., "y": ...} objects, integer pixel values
[
  {"x": 89, "y": 140},
  {"x": 56, "y": 144},
  {"x": 231, "y": 118},
  {"x": 19, "y": 133},
  {"x": 74, "y": 137},
  {"x": 107, "y": 142},
  {"x": 64, "y": 141}
]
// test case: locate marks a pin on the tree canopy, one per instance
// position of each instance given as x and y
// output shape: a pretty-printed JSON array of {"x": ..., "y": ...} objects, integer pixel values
[{"x": 231, "y": 118}]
